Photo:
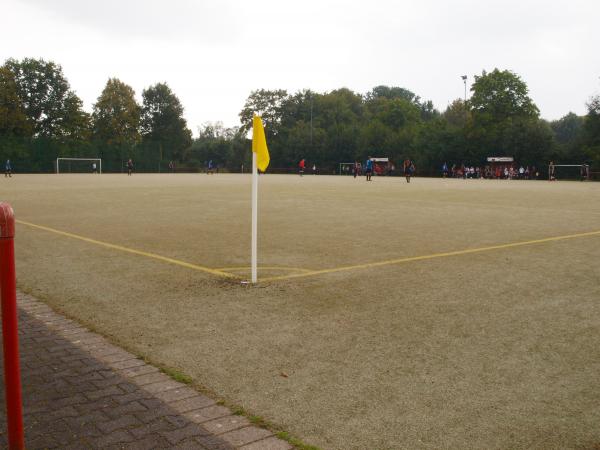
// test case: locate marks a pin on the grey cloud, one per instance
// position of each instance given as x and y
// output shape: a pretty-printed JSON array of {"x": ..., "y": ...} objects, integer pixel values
[{"x": 153, "y": 19}]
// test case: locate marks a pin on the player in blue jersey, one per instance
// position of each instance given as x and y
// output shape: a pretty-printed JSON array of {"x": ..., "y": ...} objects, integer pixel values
[{"x": 369, "y": 168}]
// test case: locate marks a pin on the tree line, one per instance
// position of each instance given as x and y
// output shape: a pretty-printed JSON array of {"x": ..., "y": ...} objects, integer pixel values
[{"x": 41, "y": 118}]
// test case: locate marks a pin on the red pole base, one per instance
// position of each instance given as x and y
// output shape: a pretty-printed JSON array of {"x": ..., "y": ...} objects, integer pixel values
[{"x": 12, "y": 371}]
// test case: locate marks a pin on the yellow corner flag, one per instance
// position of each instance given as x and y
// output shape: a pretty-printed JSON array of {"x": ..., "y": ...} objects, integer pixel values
[{"x": 259, "y": 144}]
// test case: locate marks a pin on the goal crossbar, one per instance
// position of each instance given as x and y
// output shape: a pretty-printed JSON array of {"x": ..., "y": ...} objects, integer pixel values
[
  {"x": 58, "y": 160},
  {"x": 585, "y": 173}
]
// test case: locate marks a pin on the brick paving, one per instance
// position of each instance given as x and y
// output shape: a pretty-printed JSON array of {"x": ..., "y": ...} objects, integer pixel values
[{"x": 81, "y": 392}]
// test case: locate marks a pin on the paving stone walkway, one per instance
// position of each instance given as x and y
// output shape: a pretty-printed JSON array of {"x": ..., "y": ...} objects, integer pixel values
[{"x": 81, "y": 392}]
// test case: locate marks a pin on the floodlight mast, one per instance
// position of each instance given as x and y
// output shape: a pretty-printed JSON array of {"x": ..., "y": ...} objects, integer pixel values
[{"x": 464, "y": 78}]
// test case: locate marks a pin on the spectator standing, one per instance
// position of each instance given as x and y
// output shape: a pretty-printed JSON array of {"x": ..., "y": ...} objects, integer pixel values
[
  {"x": 129, "y": 167},
  {"x": 408, "y": 169},
  {"x": 584, "y": 170}
]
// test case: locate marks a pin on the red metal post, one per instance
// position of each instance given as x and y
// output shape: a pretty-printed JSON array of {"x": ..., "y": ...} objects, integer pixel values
[{"x": 12, "y": 371}]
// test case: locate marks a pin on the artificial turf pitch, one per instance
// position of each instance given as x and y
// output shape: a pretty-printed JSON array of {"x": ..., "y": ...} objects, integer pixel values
[{"x": 435, "y": 314}]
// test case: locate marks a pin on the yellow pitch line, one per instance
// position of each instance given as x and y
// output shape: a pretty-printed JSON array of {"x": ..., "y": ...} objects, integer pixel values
[
  {"x": 433, "y": 256},
  {"x": 131, "y": 250},
  {"x": 298, "y": 269}
]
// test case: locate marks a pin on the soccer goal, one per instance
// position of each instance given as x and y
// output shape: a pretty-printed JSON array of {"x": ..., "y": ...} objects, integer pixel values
[
  {"x": 570, "y": 172},
  {"x": 78, "y": 165},
  {"x": 346, "y": 168}
]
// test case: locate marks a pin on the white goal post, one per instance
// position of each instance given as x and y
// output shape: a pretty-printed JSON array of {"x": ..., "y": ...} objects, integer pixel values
[
  {"x": 584, "y": 170},
  {"x": 91, "y": 160},
  {"x": 346, "y": 168}
]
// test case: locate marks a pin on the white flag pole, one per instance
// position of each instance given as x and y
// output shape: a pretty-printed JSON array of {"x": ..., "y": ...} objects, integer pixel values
[{"x": 254, "y": 216}]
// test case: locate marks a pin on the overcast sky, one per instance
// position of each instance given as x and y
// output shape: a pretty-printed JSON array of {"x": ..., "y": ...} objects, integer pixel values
[{"x": 214, "y": 53}]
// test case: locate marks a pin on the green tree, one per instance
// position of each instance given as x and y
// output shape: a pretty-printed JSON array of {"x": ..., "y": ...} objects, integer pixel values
[
  {"x": 568, "y": 133},
  {"x": 52, "y": 108},
  {"x": 338, "y": 113},
  {"x": 116, "y": 115},
  {"x": 394, "y": 113},
  {"x": 267, "y": 104},
  {"x": 592, "y": 130},
  {"x": 162, "y": 122},
  {"x": 226, "y": 147},
  {"x": 505, "y": 121},
  {"x": 15, "y": 129},
  {"x": 115, "y": 128},
  {"x": 500, "y": 95},
  {"x": 77, "y": 122},
  {"x": 457, "y": 114},
  {"x": 13, "y": 121},
  {"x": 568, "y": 129},
  {"x": 392, "y": 92}
]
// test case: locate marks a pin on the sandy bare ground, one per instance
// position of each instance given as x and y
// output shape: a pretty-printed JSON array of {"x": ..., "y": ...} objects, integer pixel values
[{"x": 494, "y": 349}]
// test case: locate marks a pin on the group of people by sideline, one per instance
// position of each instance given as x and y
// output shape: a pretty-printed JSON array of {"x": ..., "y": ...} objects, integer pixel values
[
  {"x": 408, "y": 168},
  {"x": 495, "y": 171},
  {"x": 498, "y": 172},
  {"x": 507, "y": 172},
  {"x": 369, "y": 168}
]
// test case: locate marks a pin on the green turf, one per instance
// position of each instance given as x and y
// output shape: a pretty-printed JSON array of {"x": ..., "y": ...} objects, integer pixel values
[{"x": 497, "y": 349}]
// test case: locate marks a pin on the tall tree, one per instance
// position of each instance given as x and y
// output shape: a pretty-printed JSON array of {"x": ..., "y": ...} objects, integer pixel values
[
  {"x": 13, "y": 121},
  {"x": 568, "y": 133},
  {"x": 505, "y": 121},
  {"x": 568, "y": 128},
  {"x": 224, "y": 146},
  {"x": 116, "y": 116},
  {"x": 592, "y": 129},
  {"x": 500, "y": 95},
  {"x": 52, "y": 108},
  {"x": 268, "y": 104},
  {"x": 392, "y": 92},
  {"x": 457, "y": 114},
  {"x": 162, "y": 122},
  {"x": 14, "y": 125}
]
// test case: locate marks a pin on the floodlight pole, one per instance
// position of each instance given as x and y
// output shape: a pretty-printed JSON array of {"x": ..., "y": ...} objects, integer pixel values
[
  {"x": 254, "y": 217},
  {"x": 311, "y": 120}
]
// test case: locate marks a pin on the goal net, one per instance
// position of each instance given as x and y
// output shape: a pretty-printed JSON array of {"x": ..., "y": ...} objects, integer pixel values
[
  {"x": 570, "y": 172},
  {"x": 347, "y": 168},
  {"x": 78, "y": 165}
]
